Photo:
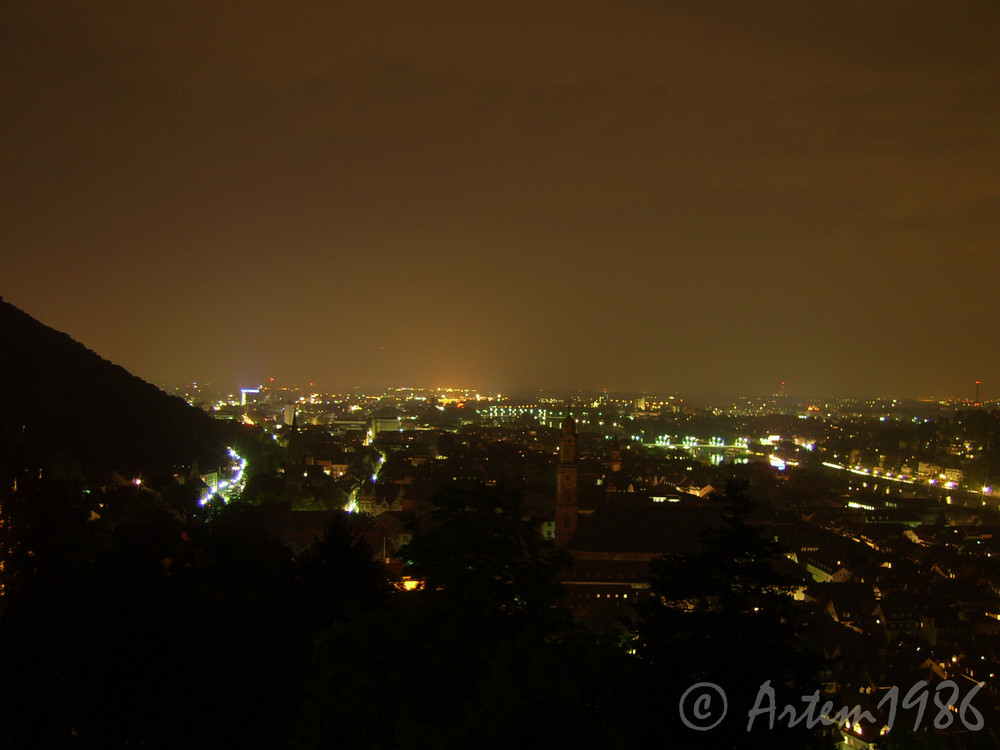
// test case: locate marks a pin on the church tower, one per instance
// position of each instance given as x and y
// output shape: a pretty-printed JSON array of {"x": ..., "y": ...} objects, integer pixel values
[
  {"x": 615, "y": 464},
  {"x": 567, "y": 508}
]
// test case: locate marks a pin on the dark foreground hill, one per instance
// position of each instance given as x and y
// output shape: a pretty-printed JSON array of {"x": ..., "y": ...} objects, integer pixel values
[{"x": 66, "y": 409}]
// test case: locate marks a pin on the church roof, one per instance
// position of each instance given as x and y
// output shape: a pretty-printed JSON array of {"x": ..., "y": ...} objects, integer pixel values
[{"x": 650, "y": 529}]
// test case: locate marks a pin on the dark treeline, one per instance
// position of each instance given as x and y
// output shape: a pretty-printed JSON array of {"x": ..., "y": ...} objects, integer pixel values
[{"x": 149, "y": 628}]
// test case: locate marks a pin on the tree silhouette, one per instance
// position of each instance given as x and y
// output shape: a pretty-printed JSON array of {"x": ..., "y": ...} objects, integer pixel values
[
  {"x": 477, "y": 658},
  {"x": 725, "y": 615},
  {"x": 484, "y": 554}
]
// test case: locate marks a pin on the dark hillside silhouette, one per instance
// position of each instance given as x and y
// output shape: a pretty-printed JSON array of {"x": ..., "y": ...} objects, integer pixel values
[{"x": 67, "y": 409}]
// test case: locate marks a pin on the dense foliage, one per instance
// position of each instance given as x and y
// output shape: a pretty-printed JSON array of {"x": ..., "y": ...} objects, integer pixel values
[{"x": 147, "y": 628}]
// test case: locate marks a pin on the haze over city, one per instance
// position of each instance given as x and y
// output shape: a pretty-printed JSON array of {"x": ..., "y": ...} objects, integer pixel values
[{"x": 651, "y": 196}]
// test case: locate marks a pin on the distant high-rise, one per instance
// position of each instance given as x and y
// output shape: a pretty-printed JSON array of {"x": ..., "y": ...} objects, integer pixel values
[{"x": 567, "y": 506}]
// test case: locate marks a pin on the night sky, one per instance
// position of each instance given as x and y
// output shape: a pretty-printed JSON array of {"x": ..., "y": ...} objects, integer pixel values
[{"x": 703, "y": 197}]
